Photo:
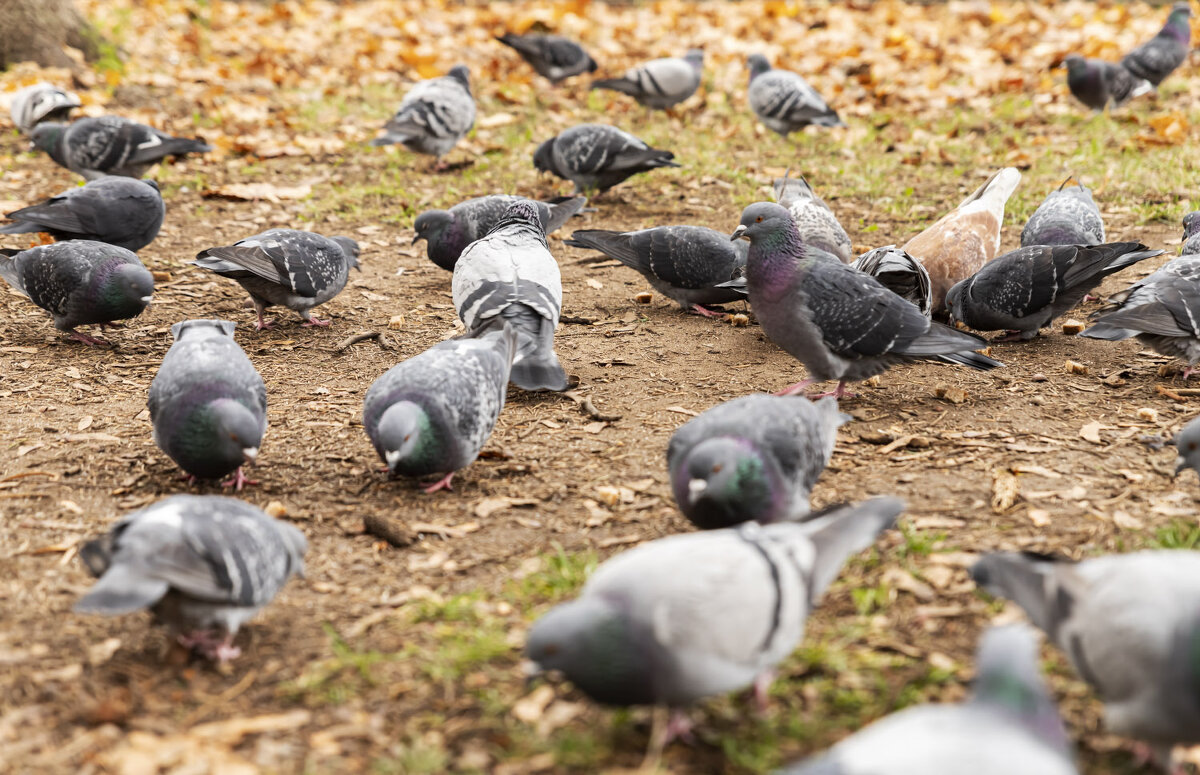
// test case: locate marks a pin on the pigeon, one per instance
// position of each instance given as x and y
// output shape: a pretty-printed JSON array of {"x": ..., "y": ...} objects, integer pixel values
[
  {"x": 203, "y": 564},
  {"x": 41, "y": 102},
  {"x": 684, "y": 263},
  {"x": 597, "y": 156},
  {"x": 1021, "y": 291},
  {"x": 660, "y": 83},
  {"x": 1130, "y": 624},
  {"x": 1097, "y": 83},
  {"x": 432, "y": 413},
  {"x": 817, "y": 224},
  {"x": 447, "y": 232},
  {"x": 508, "y": 277},
  {"x": 1009, "y": 725},
  {"x": 110, "y": 145},
  {"x": 966, "y": 238},
  {"x": 840, "y": 323},
  {"x": 208, "y": 404},
  {"x": 689, "y": 616},
  {"x": 433, "y": 116},
  {"x": 1187, "y": 444},
  {"x": 755, "y": 458},
  {"x": 1191, "y": 234},
  {"x": 294, "y": 269},
  {"x": 901, "y": 274},
  {"x": 120, "y": 211},
  {"x": 1067, "y": 216},
  {"x": 555, "y": 58},
  {"x": 80, "y": 282},
  {"x": 783, "y": 101},
  {"x": 1158, "y": 57}
]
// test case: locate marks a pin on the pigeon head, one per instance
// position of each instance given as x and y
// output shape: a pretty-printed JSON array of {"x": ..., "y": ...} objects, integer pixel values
[
  {"x": 461, "y": 74},
  {"x": 41, "y": 102},
  {"x": 765, "y": 222},
  {"x": 1075, "y": 64},
  {"x": 430, "y": 224},
  {"x": 406, "y": 439},
  {"x": 1191, "y": 224},
  {"x": 758, "y": 65},
  {"x": 350, "y": 248},
  {"x": 296, "y": 545},
  {"x": 725, "y": 481},
  {"x": 543, "y": 158},
  {"x": 46, "y": 137},
  {"x": 126, "y": 290},
  {"x": 199, "y": 329},
  {"x": 695, "y": 57},
  {"x": 223, "y": 435},
  {"x": 1007, "y": 679},
  {"x": 1178, "y": 25},
  {"x": 1187, "y": 444},
  {"x": 952, "y": 296},
  {"x": 522, "y": 212}
]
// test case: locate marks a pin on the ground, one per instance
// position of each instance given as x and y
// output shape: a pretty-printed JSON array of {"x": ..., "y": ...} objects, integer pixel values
[{"x": 405, "y": 658}]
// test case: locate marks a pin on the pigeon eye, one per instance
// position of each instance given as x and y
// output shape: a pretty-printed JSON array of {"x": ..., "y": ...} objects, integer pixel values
[
  {"x": 758, "y": 219},
  {"x": 551, "y": 649},
  {"x": 1192, "y": 447},
  {"x": 717, "y": 468},
  {"x": 409, "y": 436}
]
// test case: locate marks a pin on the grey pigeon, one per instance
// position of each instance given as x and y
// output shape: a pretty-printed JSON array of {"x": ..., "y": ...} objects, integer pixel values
[
  {"x": 840, "y": 323},
  {"x": 1187, "y": 445},
  {"x": 120, "y": 211},
  {"x": 900, "y": 273},
  {"x": 294, "y": 269},
  {"x": 752, "y": 459},
  {"x": 80, "y": 282},
  {"x": 783, "y": 101},
  {"x": 684, "y": 263},
  {"x": 432, "y": 413},
  {"x": 203, "y": 564},
  {"x": 433, "y": 116},
  {"x": 1068, "y": 216},
  {"x": 509, "y": 278},
  {"x": 1130, "y": 625},
  {"x": 110, "y": 145},
  {"x": 1023, "y": 290},
  {"x": 597, "y": 156},
  {"x": 555, "y": 58},
  {"x": 815, "y": 222},
  {"x": 1009, "y": 725},
  {"x": 1158, "y": 57},
  {"x": 41, "y": 102},
  {"x": 1191, "y": 234},
  {"x": 660, "y": 83},
  {"x": 208, "y": 403},
  {"x": 1097, "y": 83},
  {"x": 447, "y": 232}
]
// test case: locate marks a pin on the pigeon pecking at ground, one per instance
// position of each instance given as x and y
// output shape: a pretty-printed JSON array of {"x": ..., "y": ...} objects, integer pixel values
[
  {"x": 783, "y": 101},
  {"x": 434, "y": 116},
  {"x": 660, "y": 83},
  {"x": 1158, "y": 57},
  {"x": 815, "y": 222},
  {"x": 110, "y": 145},
  {"x": 41, "y": 102},
  {"x": 80, "y": 282},
  {"x": 125, "y": 212},
  {"x": 555, "y": 58},
  {"x": 203, "y": 564},
  {"x": 1068, "y": 216},
  {"x": 597, "y": 156},
  {"x": 1097, "y": 83},
  {"x": 1191, "y": 234},
  {"x": 294, "y": 269},
  {"x": 208, "y": 403},
  {"x": 1187, "y": 447},
  {"x": 900, "y": 273}
]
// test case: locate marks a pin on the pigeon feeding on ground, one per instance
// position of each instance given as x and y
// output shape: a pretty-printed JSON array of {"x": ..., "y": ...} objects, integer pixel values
[
  {"x": 1130, "y": 625},
  {"x": 1097, "y": 83},
  {"x": 125, "y": 212},
  {"x": 110, "y": 145},
  {"x": 1187, "y": 445},
  {"x": 294, "y": 269},
  {"x": 840, "y": 323},
  {"x": 783, "y": 101},
  {"x": 509, "y": 278},
  {"x": 752, "y": 459},
  {"x": 1009, "y": 725},
  {"x": 815, "y": 222},
  {"x": 900, "y": 273},
  {"x": 1191, "y": 234},
  {"x": 208, "y": 403},
  {"x": 41, "y": 102},
  {"x": 432, "y": 413},
  {"x": 1023, "y": 290},
  {"x": 203, "y": 564},
  {"x": 80, "y": 282},
  {"x": 433, "y": 116},
  {"x": 684, "y": 263},
  {"x": 689, "y": 616},
  {"x": 1158, "y": 57},
  {"x": 597, "y": 156},
  {"x": 555, "y": 58},
  {"x": 660, "y": 83},
  {"x": 448, "y": 232},
  {"x": 1068, "y": 216}
]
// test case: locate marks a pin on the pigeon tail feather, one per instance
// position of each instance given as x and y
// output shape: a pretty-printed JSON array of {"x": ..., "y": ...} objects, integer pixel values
[{"x": 122, "y": 590}]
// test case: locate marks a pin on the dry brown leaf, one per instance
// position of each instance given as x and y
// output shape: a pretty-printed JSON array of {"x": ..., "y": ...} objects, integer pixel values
[
  {"x": 252, "y": 191},
  {"x": 1091, "y": 432}
]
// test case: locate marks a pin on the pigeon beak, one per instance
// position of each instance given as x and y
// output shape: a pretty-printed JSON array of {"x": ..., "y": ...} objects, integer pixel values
[
  {"x": 1180, "y": 464},
  {"x": 391, "y": 457},
  {"x": 737, "y": 233},
  {"x": 146, "y": 299},
  {"x": 696, "y": 489},
  {"x": 417, "y": 239},
  {"x": 531, "y": 670},
  {"x": 249, "y": 454}
]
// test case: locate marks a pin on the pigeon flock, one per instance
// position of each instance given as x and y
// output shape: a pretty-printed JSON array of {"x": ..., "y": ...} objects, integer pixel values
[{"x": 689, "y": 616}]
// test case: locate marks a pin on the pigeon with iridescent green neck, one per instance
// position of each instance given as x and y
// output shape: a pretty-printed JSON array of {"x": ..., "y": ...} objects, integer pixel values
[{"x": 1158, "y": 57}]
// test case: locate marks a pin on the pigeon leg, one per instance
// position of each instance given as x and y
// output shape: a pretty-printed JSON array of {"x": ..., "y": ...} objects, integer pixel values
[
  {"x": 238, "y": 480},
  {"x": 792, "y": 390},
  {"x": 762, "y": 687},
  {"x": 313, "y": 322},
  {"x": 839, "y": 393},
  {"x": 1189, "y": 371},
  {"x": 1014, "y": 336},
  {"x": 76, "y": 336},
  {"x": 223, "y": 650},
  {"x": 706, "y": 312},
  {"x": 189, "y": 478},
  {"x": 262, "y": 322},
  {"x": 440, "y": 484},
  {"x": 679, "y": 727}
]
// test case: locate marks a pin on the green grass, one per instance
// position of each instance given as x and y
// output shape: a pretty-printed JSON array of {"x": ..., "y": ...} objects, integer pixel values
[{"x": 1177, "y": 535}]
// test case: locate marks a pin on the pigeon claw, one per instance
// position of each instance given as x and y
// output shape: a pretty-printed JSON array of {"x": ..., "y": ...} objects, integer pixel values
[
  {"x": 792, "y": 390},
  {"x": 317, "y": 322},
  {"x": 76, "y": 336},
  {"x": 706, "y": 312},
  {"x": 263, "y": 323},
  {"x": 238, "y": 480},
  {"x": 440, "y": 484}
]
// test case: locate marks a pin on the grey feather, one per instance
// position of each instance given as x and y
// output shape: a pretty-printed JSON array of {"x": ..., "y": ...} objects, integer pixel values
[
  {"x": 1160, "y": 56},
  {"x": 783, "y": 101},
  {"x": 434, "y": 116},
  {"x": 1187, "y": 447},
  {"x": 555, "y": 58},
  {"x": 901, "y": 274},
  {"x": 1097, "y": 83},
  {"x": 815, "y": 221},
  {"x": 120, "y": 211},
  {"x": 448, "y": 232},
  {"x": 110, "y": 145},
  {"x": 1191, "y": 234},
  {"x": 597, "y": 156},
  {"x": 41, "y": 102},
  {"x": 660, "y": 83},
  {"x": 1068, "y": 216}
]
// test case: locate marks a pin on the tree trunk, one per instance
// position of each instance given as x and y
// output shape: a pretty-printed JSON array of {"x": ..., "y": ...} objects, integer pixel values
[{"x": 37, "y": 31}]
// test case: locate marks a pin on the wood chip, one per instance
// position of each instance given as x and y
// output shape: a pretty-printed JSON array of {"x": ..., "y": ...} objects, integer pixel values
[
  {"x": 1091, "y": 432},
  {"x": 954, "y": 395},
  {"x": 489, "y": 506},
  {"x": 445, "y": 531},
  {"x": 393, "y": 531},
  {"x": 681, "y": 410},
  {"x": 1004, "y": 490},
  {"x": 1039, "y": 517},
  {"x": 1075, "y": 367}
]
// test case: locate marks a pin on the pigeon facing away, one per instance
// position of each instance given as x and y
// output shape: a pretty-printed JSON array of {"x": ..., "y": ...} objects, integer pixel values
[
  {"x": 110, "y": 145},
  {"x": 1068, "y": 216},
  {"x": 783, "y": 101},
  {"x": 1158, "y": 57},
  {"x": 294, "y": 269},
  {"x": 448, "y": 232},
  {"x": 432, "y": 413},
  {"x": 80, "y": 282},
  {"x": 41, "y": 102},
  {"x": 1187, "y": 444},
  {"x": 752, "y": 459},
  {"x": 509, "y": 278},
  {"x": 1130, "y": 625},
  {"x": 815, "y": 222},
  {"x": 901, "y": 274},
  {"x": 660, "y": 83},
  {"x": 1191, "y": 234},
  {"x": 1097, "y": 83},
  {"x": 1009, "y": 725},
  {"x": 555, "y": 58},
  {"x": 120, "y": 211},
  {"x": 1023, "y": 290},
  {"x": 208, "y": 403},
  {"x": 597, "y": 156},
  {"x": 434, "y": 115},
  {"x": 203, "y": 564}
]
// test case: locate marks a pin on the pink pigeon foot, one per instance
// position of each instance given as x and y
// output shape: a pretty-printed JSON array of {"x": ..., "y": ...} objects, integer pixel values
[
  {"x": 262, "y": 323},
  {"x": 1189, "y": 371},
  {"x": 189, "y": 478},
  {"x": 238, "y": 480},
  {"x": 679, "y": 727},
  {"x": 792, "y": 390},
  {"x": 317, "y": 322},
  {"x": 218, "y": 648},
  {"x": 762, "y": 688},
  {"x": 441, "y": 484},
  {"x": 706, "y": 312},
  {"x": 76, "y": 336},
  {"x": 839, "y": 393}
]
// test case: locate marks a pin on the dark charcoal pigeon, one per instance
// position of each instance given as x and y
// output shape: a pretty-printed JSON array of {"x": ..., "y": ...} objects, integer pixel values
[
  {"x": 1068, "y": 216},
  {"x": 901, "y": 274},
  {"x": 80, "y": 282},
  {"x": 1191, "y": 234},
  {"x": 1158, "y": 57},
  {"x": 660, "y": 83},
  {"x": 120, "y": 211},
  {"x": 203, "y": 564},
  {"x": 448, "y": 232},
  {"x": 41, "y": 102},
  {"x": 208, "y": 403},
  {"x": 110, "y": 145},
  {"x": 294, "y": 269},
  {"x": 783, "y": 101},
  {"x": 1097, "y": 83},
  {"x": 597, "y": 156},
  {"x": 553, "y": 57},
  {"x": 815, "y": 221},
  {"x": 433, "y": 116},
  {"x": 1187, "y": 445}
]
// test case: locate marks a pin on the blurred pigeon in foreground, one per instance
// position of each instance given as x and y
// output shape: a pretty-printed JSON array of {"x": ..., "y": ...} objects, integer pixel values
[
  {"x": 433, "y": 116},
  {"x": 120, "y": 211},
  {"x": 1191, "y": 234},
  {"x": 41, "y": 102},
  {"x": 597, "y": 156},
  {"x": 80, "y": 282},
  {"x": 203, "y": 564},
  {"x": 1130, "y": 625},
  {"x": 1097, "y": 83},
  {"x": 1187, "y": 445},
  {"x": 432, "y": 413},
  {"x": 1158, "y": 57},
  {"x": 294, "y": 269},
  {"x": 840, "y": 323},
  {"x": 783, "y": 101},
  {"x": 815, "y": 222},
  {"x": 900, "y": 273},
  {"x": 1068, "y": 216},
  {"x": 110, "y": 145},
  {"x": 755, "y": 458},
  {"x": 1023, "y": 290},
  {"x": 554, "y": 58},
  {"x": 660, "y": 83},
  {"x": 509, "y": 278},
  {"x": 1009, "y": 725},
  {"x": 448, "y": 232},
  {"x": 208, "y": 403}
]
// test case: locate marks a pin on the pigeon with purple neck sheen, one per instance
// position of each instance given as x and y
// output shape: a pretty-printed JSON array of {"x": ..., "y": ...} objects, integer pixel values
[
  {"x": 815, "y": 221},
  {"x": 448, "y": 232},
  {"x": 110, "y": 145},
  {"x": 125, "y": 212},
  {"x": 553, "y": 57},
  {"x": 1067, "y": 216},
  {"x": 597, "y": 156},
  {"x": 434, "y": 116},
  {"x": 1097, "y": 83},
  {"x": 1158, "y": 57},
  {"x": 1191, "y": 234},
  {"x": 783, "y": 101},
  {"x": 660, "y": 83},
  {"x": 41, "y": 102}
]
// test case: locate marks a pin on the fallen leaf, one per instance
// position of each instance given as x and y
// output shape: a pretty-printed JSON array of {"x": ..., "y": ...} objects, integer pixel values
[
  {"x": 252, "y": 191},
  {"x": 1091, "y": 432}
]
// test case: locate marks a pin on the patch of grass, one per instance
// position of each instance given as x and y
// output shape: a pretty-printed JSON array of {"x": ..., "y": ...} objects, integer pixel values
[
  {"x": 340, "y": 676},
  {"x": 1179, "y": 534},
  {"x": 562, "y": 575},
  {"x": 918, "y": 543}
]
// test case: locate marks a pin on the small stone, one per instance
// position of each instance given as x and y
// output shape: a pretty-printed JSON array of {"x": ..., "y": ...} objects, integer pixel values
[
  {"x": 1038, "y": 377},
  {"x": 1038, "y": 401}
]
